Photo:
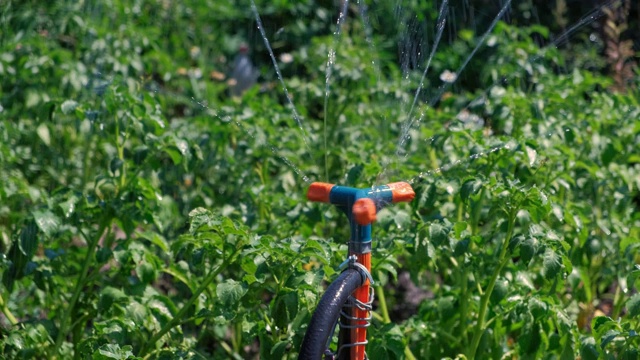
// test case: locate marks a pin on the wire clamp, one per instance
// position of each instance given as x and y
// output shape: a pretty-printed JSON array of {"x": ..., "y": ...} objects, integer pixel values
[{"x": 352, "y": 263}]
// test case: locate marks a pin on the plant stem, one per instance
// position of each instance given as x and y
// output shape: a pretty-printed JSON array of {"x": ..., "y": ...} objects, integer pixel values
[
  {"x": 5, "y": 310},
  {"x": 227, "y": 348},
  {"x": 463, "y": 303},
  {"x": 80, "y": 284},
  {"x": 377, "y": 316},
  {"x": 618, "y": 301},
  {"x": 484, "y": 301},
  {"x": 236, "y": 340},
  {"x": 408, "y": 354},
  {"x": 120, "y": 148},
  {"x": 382, "y": 304},
  {"x": 434, "y": 159},
  {"x": 475, "y": 212},
  {"x": 176, "y": 320}
]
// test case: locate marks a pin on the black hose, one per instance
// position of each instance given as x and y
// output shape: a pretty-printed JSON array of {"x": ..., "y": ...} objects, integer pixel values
[{"x": 324, "y": 319}]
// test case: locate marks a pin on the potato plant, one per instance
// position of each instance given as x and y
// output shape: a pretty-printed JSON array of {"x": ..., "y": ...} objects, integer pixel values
[{"x": 146, "y": 214}]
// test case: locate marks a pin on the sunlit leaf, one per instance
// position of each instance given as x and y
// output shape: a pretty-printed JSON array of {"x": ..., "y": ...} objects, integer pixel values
[
  {"x": 551, "y": 263},
  {"x": 46, "y": 221},
  {"x": 44, "y": 134},
  {"x": 113, "y": 351},
  {"x": 68, "y": 106}
]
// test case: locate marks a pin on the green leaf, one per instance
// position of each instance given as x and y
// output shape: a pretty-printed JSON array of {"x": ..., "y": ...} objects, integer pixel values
[
  {"x": 564, "y": 323},
  {"x": 103, "y": 255},
  {"x": 551, "y": 264},
  {"x": 266, "y": 343},
  {"x": 633, "y": 277},
  {"x": 146, "y": 272},
  {"x": 458, "y": 228},
  {"x": 248, "y": 266},
  {"x": 199, "y": 217},
  {"x": 445, "y": 306},
  {"x": 461, "y": 247},
  {"x": 531, "y": 154},
  {"x": 353, "y": 176},
  {"x": 588, "y": 349},
  {"x": 43, "y": 133},
  {"x": 568, "y": 350},
  {"x": 279, "y": 349},
  {"x": 628, "y": 241},
  {"x": 68, "y": 106},
  {"x": 389, "y": 267},
  {"x": 566, "y": 262},
  {"x": 530, "y": 339},
  {"x": 162, "y": 308},
  {"x": 230, "y": 292},
  {"x": 401, "y": 218},
  {"x": 390, "y": 345},
  {"x": 500, "y": 291},
  {"x": 155, "y": 239},
  {"x": 608, "y": 337},
  {"x": 470, "y": 188},
  {"x": 137, "y": 312},
  {"x": 183, "y": 147},
  {"x": 438, "y": 234},
  {"x": 174, "y": 154},
  {"x": 285, "y": 308},
  {"x": 116, "y": 164},
  {"x": 46, "y": 221},
  {"x": 600, "y": 324},
  {"x": 180, "y": 271},
  {"x": 28, "y": 240},
  {"x": 113, "y": 351},
  {"x": 428, "y": 197},
  {"x": 108, "y": 296},
  {"x": 69, "y": 206},
  {"x": 314, "y": 248},
  {"x": 538, "y": 308},
  {"x": 608, "y": 154},
  {"x": 314, "y": 278},
  {"x": 630, "y": 354},
  {"x": 633, "y": 305}
]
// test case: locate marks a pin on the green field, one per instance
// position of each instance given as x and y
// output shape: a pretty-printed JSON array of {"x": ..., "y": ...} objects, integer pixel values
[{"x": 145, "y": 213}]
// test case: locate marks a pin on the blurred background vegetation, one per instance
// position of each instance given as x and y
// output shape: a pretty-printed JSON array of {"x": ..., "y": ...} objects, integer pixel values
[{"x": 118, "y": 130}]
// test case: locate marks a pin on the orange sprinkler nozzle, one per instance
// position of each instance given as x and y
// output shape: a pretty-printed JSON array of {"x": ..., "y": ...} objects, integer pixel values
[
  {"x": 364, "y": 211},
  {"x": 402, "y": 192},
  {"x": 319, "y": 191}
]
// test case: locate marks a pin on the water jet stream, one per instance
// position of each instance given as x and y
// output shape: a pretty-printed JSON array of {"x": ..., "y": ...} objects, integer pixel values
[{"x": 296, "y": 116}]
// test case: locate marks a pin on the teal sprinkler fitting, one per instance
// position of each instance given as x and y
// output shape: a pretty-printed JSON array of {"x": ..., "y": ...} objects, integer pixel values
[{"x": 360, "y": 205}]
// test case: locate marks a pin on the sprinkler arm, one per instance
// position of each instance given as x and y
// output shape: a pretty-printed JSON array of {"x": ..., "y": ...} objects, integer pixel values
[{"x": 360, "y": 205}]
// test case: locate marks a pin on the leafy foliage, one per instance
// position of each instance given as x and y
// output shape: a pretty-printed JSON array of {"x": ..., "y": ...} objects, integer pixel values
[{"x": 144, "y": 214}]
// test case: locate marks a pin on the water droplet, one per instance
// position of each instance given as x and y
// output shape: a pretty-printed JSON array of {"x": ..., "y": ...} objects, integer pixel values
[{"x": 448, "y": 77}]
